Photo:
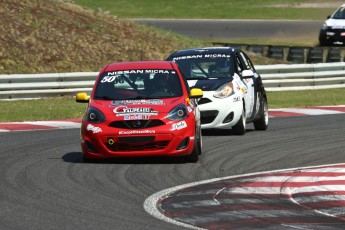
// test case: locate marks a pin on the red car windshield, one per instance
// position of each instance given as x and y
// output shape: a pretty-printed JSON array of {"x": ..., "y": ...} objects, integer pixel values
[{"x": 138, "y": 84}]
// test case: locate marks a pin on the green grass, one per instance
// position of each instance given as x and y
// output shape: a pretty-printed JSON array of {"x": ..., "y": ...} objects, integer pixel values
[
  {"x": 288, "y": 99},
  {"x": 67, "y": 108},
  {"x": 41, "y": 110},
  {"x": 222, "y": 9}
]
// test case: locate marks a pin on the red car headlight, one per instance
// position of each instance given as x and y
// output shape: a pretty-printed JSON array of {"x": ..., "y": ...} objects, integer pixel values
[
  {"x": 94, "y": 115},
  {"x": 180, "y": 112}
]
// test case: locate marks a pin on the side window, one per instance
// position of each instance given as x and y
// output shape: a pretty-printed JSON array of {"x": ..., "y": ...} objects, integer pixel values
[
  {"x": 245, "y": 62},
  {"x": 248, "y": 64},
  {"x": 239, "y": 66}
]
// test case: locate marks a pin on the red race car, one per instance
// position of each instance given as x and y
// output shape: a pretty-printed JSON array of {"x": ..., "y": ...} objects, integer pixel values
[{"x": 141, "y": 109}]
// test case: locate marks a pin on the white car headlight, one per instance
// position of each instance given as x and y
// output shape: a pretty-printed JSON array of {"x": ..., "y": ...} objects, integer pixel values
[
  {"x": 324, "y": 26},
  {"x": 225, "y": 90}
]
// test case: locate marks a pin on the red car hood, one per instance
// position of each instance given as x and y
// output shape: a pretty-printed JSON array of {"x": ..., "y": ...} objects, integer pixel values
[{"x": 137, "y": 106}]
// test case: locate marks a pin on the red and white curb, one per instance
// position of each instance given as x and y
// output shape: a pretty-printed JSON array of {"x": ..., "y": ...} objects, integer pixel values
[
  {"x": 307, "y": 111},
  {"x": 75, "y": 123},
  {"x": 39, "y": 125},
  {"x": 299, "y": 198}
]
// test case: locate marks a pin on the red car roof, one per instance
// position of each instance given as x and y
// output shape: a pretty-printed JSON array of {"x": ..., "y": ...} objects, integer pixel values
[{"x": 139, "y": 65}]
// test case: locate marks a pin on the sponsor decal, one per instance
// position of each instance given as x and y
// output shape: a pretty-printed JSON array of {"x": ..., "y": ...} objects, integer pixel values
[
  {"x": 201, "y": 56},
  {"x": 129, "y": 132},
  {"x": 93, "y": 129},
  {"x": 188, "y": 57},
  {"x": 118, "y": 77},
  {"x": 137, "y": 102},
  {"x": 238, "y": 98},
  {"x": 140, "y": 71},
  {"x": 123, "y": 111},
  {"x": 136, "y": 117},
  {"x": 180, "y": 125},
  {"x": 217, "y": 55}
]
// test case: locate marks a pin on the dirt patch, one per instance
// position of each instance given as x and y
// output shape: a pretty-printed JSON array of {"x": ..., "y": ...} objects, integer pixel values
[{"x": 38, "y": 36}]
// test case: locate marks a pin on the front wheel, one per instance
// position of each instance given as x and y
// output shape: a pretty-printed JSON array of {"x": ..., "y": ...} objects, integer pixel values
[
  {"x": 262, "y": 122},
  {"x": 194, "y": 156},
  {"x": 240, "y": 127},
  {"x": 88, "y": 160}
]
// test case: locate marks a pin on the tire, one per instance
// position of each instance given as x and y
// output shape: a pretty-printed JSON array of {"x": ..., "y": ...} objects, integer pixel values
[
  {"x": 92, "y": 160},
  {"x": 240, "y": 127},
  {"x": 87, "y": 160},
  {"x": 200, "y": 142},
  {"x": 324, "y": 42},
  {"x": 262, "y": 122},
  {"x": 194, "y": 156}
]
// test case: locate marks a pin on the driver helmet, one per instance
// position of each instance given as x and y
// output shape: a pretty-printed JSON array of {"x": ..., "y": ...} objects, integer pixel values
[
  {"x": 161, "y": 80},
  {"x": 223, "y": 66}
]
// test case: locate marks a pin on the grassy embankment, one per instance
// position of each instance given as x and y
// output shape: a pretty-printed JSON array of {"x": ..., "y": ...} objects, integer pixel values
[{"x": 41, "y": 36}]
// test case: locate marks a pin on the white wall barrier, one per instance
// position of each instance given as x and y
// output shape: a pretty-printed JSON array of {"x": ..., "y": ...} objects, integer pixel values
[{"x": 281, "y": 77}]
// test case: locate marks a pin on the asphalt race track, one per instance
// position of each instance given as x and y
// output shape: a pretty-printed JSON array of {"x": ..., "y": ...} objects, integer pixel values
[
  {"x": 45, "y": 185},
  {"x": 238, "y": 28}
]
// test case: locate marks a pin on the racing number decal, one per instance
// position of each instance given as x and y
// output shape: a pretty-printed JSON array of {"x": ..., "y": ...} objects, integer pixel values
[{"x": 115, "y": 79}]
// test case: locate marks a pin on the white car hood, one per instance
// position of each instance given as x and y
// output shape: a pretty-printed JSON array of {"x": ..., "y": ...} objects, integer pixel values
[{"x": 336, "y": 23}]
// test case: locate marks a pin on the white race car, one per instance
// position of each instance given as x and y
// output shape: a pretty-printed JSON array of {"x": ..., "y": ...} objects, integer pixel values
[
  {"x": 332, "y": 31},
  {"x": 233, "y": 91}
]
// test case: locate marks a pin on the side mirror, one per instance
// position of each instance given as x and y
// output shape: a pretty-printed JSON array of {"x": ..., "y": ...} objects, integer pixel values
[
  {"x": 328, "y": 17},
  {"x": 247, "y": 74},
  {"x": 82, "y": 98},
  {"x": 196, "y": 93}
]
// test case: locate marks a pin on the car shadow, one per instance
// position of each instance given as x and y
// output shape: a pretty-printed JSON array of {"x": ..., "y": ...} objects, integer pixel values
[
  {"x": 77, "y": 158},
  {"x": 222, "y": 132}
]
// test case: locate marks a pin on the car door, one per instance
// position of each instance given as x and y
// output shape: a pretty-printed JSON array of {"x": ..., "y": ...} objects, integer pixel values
[{"x": 250, "y": 95}]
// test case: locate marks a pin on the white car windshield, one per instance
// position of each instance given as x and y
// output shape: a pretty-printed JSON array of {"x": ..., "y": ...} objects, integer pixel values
[
  {"x": 339, "y": 14},
  {"x": 205, "y": 66}
]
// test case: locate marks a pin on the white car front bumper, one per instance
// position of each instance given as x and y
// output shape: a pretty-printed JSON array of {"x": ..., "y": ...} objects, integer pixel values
[{"x": 220, "y": 113}]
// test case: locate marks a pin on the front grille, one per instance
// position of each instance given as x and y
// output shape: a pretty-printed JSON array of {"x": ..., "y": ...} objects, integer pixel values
[
  {"x": 136, "y": 124},
  {"x": 207, "y": 117},
  {"x": 337, "y": 33},
  {"x": 136, "y": 139},
  {"x": 203, "y": 100},
  {"x": 147, "y": 146}
]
